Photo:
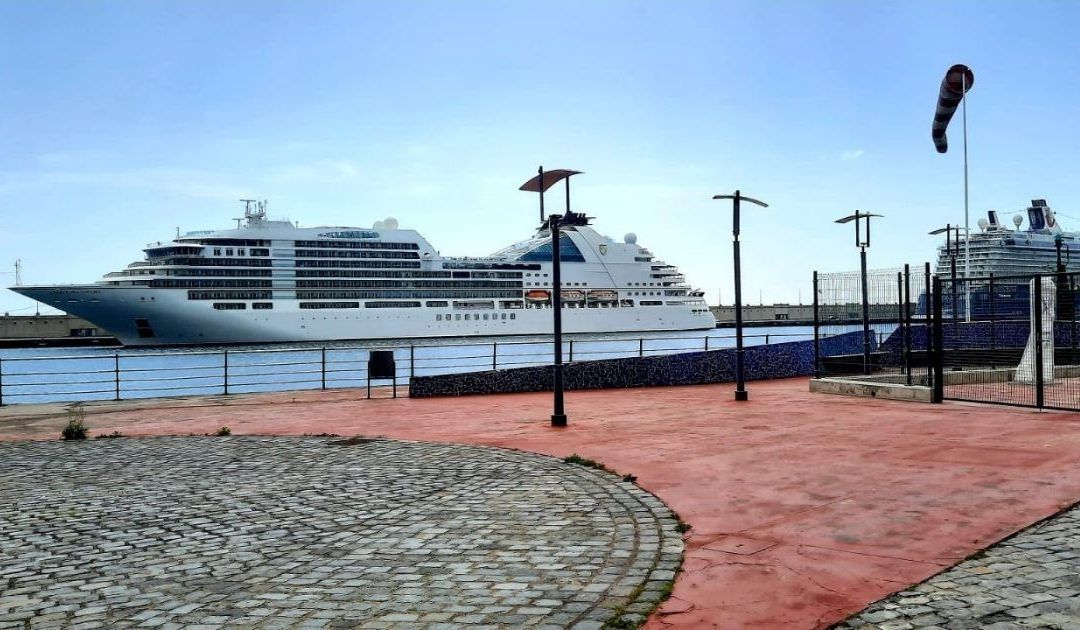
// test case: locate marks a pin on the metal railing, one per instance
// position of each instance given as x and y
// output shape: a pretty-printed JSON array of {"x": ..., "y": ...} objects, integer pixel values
[{"x": 120, "y": 376}]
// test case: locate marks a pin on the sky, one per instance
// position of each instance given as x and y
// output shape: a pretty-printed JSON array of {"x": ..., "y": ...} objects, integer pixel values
[{"x": 123, "y": 121}]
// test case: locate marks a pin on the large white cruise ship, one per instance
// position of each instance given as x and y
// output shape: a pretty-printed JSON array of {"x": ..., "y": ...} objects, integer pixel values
[
  {"x": 271, "y": 281},
  {"x": 1000, "y": 251}
]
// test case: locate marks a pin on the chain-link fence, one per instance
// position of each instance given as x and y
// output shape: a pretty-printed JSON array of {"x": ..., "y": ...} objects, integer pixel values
[
  {"x": 880, "y": 333},
  {"x": 1010, "y": 340}
]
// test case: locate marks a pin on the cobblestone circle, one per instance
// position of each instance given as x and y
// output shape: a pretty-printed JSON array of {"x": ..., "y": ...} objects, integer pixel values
[
  {"x": 310, "y": 532},
  {"x": 1031, "y": 580}
]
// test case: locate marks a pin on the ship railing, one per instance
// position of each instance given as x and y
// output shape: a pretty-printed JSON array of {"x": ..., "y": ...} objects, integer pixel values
[{"x": 134, "y": 374}]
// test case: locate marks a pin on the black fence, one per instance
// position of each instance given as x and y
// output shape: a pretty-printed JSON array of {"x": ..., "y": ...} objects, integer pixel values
[
  {"x": 102, "y": 375},
  {"x": 1010, "y": 340},
  {"x": 894, "y": 320}
]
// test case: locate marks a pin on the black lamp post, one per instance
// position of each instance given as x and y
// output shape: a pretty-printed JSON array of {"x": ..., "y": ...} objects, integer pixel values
[
  {"x": 862, "y": 243},
  {"x": 952, "y": 249},
  {"x": 539, "y": 184},
  {"x": 740, "y": 375}
]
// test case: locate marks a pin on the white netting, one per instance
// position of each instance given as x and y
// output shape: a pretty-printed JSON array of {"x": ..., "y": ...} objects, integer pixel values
[{"x": 1025, "y": 372}]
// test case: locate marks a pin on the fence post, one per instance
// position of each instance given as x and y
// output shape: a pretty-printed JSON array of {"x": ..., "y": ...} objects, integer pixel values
[
  {"x": 766, "y": 339},
  {"x": 817, "y": 331},
  {"x": 993, "y": 322},
  {"x": 225, "y": 373},
  {"x": 495, "y": 354},
  {"x": 571, "y": 358},
  {"x": 905, "y": 321},
  {"x": 641, "y": 347},
  {"x": 412, "y": 361},
  {"x": 323, "y": 372},
  {"x": 1036, "y": 312},
  {"x": 706, "y": 343},
  {"x": 1, "y": 382},
  {"x": 929, "y": 332},
  {"x": 938, "y": 352}
]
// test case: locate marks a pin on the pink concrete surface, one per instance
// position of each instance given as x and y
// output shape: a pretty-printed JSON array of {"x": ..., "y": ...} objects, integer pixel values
[{"x": 805, "y": 508}]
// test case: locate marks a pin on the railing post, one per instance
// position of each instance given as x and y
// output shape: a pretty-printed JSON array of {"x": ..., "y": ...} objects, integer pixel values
[
  {"x": 116, "y": 373},
  {"x": 1, "y": 382},
  {"x": 323, "y": 371},
  {"x": 706, "y": 343},
  {"x": 412, "y": 361},
  {"x": 817, "y": 331},
  {"x": 1036, "y": 312},
  {"x": 495, "y": 355},
  {"x": 641, "y": 347},
  {"x": 571, "y": 356},
  {"x": 225, "y": 373},
  {"x": 906, "y": 322},
  {"x": 929, "y": 333},
  {"x": 766, "y": 339}
]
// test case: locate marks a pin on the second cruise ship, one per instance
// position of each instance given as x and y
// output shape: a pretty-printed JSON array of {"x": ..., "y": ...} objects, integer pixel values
[{"x": 271, "y": 281}]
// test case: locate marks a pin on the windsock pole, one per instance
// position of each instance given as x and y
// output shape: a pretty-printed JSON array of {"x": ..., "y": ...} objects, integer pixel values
[{"x": 967, "y": 226}]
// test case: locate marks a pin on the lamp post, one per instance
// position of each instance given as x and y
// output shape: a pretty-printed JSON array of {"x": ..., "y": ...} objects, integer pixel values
[
  {"x": 862, "y": 242},
  {"x": 952, "y": 249},
  {"x": 540, "y": 184},
  {"x": 740, "y": 376}
]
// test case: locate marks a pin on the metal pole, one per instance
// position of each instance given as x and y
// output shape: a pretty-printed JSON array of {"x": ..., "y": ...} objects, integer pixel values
[
  {"x": 1, "y": 382},
  {"x": 955, "y": 296},
  {"x": 993, "y": 323},
  {"x": 412, "y": 362},
  {"x": 817, "y": 331},
  {"x": 571, "y": 358},
  {"x": 116, "y": 373},
  {"x": 1037, "y": 314},
  {"x": 937, "y": 352},
  {"x": 900, "y": 315},
  {"x": 740, "y": 376},
  {"x": 967, "y": 227},
  {"x": 323, "y": 373},
  {"x": 494, "y": 355},
  {"x": 907, "y": 321},
  {"x": 927, "y": 291},
  {"x": 865, "y": 311},
  {"x": 540, "y": 174},
  {"x": 225, "y": 372},
  {"x": 641, "y": 347},
  {"x": 558, "y": 417}
]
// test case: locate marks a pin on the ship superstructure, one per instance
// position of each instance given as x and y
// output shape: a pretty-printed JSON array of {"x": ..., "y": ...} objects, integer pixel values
[
  {"x": 996, "y": 249},
  {"x": 271, "y": 281}
]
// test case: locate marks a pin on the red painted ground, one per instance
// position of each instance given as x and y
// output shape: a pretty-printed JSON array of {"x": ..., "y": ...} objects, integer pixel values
[{"x": 804, "y": 507}]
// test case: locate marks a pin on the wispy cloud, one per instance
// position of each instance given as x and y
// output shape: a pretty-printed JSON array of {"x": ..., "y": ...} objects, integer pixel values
[
  {"x": 321, "y": 171},
  {"x": 851, "y": 154},
  {"x": 188, "y": 182}
]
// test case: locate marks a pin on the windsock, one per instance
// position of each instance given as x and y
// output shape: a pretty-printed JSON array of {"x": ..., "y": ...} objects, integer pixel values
[{"x": 958, "y": 80}]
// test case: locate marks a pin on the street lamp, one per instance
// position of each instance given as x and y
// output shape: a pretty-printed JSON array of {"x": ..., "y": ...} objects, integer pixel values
[
  {"x": 540, "y": 184},
  {"x": 862, "y": 243},
  {"x": 952, "y": 249},
  {"x": 740, "y": 376}
]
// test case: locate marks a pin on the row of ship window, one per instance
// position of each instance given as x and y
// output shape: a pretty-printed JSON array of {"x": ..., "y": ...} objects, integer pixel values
[
  {"x": 240, "y": 252},
  {"x": 239, "y": 306},
  {"x": 357, "y": 245},
  {"x": 408, "y": 284},
  {"x": 460, "y": 294},
  {"x": 322, "y": 253}
]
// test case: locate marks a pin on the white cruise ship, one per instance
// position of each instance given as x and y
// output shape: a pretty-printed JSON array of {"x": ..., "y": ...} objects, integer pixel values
[
  {"x": 270, "y": 281},
  {"x": 1001, "y": 251}
]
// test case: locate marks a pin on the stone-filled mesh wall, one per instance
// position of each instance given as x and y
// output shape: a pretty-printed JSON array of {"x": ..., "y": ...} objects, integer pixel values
[{"x": 780, "y": 360}]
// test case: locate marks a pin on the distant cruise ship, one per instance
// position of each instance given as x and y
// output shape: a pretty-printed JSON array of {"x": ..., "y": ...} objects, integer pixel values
[
  {"x": 1001, "y": 251},
  {"x": 270, "y": 281}
]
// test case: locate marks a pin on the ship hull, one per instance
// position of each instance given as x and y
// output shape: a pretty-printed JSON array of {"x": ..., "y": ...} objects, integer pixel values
[{"x": 140, "y": 316}]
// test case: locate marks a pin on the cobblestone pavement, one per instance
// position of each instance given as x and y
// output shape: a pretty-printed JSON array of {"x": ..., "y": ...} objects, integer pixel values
[
  {"x": 311, "y": 532},
  {"x": 1031, "y": 580}
]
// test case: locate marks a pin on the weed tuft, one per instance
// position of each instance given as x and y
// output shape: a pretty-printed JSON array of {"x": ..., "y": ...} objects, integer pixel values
[
  {"x": 109, "y": 436},
  {"x": 223, "y": 431},
  {"x": 76, "y": 428}
]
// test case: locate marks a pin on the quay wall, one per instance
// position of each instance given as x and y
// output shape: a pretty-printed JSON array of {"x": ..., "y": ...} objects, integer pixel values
[
  {"x": 46, "y": 327},
  {"x": 780, "y": 360}
]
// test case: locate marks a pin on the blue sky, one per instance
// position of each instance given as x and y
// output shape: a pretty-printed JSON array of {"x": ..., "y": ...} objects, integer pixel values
[{"x": 120, "y": 121}]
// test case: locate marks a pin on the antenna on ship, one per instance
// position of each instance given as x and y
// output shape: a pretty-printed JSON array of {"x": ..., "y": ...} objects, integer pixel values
[{"x": 18, "y": 273}]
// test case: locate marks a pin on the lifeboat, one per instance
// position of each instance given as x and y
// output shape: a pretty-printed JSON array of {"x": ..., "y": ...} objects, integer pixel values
[
  {"x": 573, "y": 295},
  {"x": 538, "y": 295},
  {"x": 603, "y": 295}
]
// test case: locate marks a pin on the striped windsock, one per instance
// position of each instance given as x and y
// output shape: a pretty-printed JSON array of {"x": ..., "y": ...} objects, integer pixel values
[{"x": 958, "y": 79}]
